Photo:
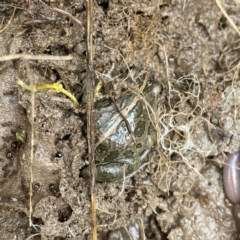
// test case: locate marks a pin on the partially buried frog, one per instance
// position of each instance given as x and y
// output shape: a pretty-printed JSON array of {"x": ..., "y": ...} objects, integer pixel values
[{"x": 118, "y": 155}]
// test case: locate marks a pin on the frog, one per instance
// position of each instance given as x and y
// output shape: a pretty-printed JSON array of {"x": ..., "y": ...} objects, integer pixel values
[{"x": 120, "y": 153}]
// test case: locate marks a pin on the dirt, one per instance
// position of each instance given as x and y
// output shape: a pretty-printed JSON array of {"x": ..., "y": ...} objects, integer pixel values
[{"x": 190, "y": 48}]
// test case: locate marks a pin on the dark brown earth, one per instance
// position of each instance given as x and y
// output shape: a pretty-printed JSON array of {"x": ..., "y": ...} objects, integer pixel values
[{"x": 190, "y": 48}]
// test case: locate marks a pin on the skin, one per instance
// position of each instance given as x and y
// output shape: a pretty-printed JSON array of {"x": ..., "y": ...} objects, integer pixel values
[
  {"x": 231, "y": 177},
  {"x": 117, "y": 155}
]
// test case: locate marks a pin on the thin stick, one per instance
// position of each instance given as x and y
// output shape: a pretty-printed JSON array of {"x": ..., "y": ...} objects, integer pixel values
[
  {"x": 32, "y": 142},
  {"x": 63, "y": 12},
  {"x": 37, "y": 234},
  {"x": 34, "y": 57},
  {"x": 227, "y": 16},
  {"x": 9, "y": 22},
  {"x": 90, "y": 121},
  {"x": 120, "y": 111},
  {"x": 90, "y": 106},
  {"x": 68, "y": 14}
]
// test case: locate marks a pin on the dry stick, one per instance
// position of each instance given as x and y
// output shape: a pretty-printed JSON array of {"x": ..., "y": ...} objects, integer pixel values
[
  {"x": 37, "y": 234},
  {"x": 34, "y": 57},
  {"x": 120, "y": 112},
  {"x": 32, "y": 141},
  {"x": 90, "y": 121},
  {"x": 68, "y": 14},
  {"x": 63, "y": 12},
  {"x": 9, "y": 22},
  {"x": 227, "y": 16},
  {"x": 90, "y": 101}
]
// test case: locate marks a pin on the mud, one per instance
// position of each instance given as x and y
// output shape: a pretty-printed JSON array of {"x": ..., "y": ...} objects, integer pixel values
[{"x": 190, "y": 48}]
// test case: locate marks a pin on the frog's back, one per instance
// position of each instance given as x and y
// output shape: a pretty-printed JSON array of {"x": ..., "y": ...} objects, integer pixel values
[{"x": 117, "y": 154}]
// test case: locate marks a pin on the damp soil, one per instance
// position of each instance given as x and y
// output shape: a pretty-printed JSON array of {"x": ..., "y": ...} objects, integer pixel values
[{"x": 190, "y": 48}]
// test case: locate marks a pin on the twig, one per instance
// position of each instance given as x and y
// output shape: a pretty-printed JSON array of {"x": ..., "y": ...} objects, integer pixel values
[
  {"x": 119, "y": 111},
  {"x": 32, "y": 141},
  {"x": 227, "y": 16},
  {"x": 9, "y": 22},
  {"x": 37, "y": 234},
  {"x": 69, "y": 15},
  {"x": 124, "y": 181},
  {"x": 35, "y": 57},
  {"x": 90, "y": 105},
  {"x": 63, "y": 12},
  {"x": 90, "y": 120}
]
